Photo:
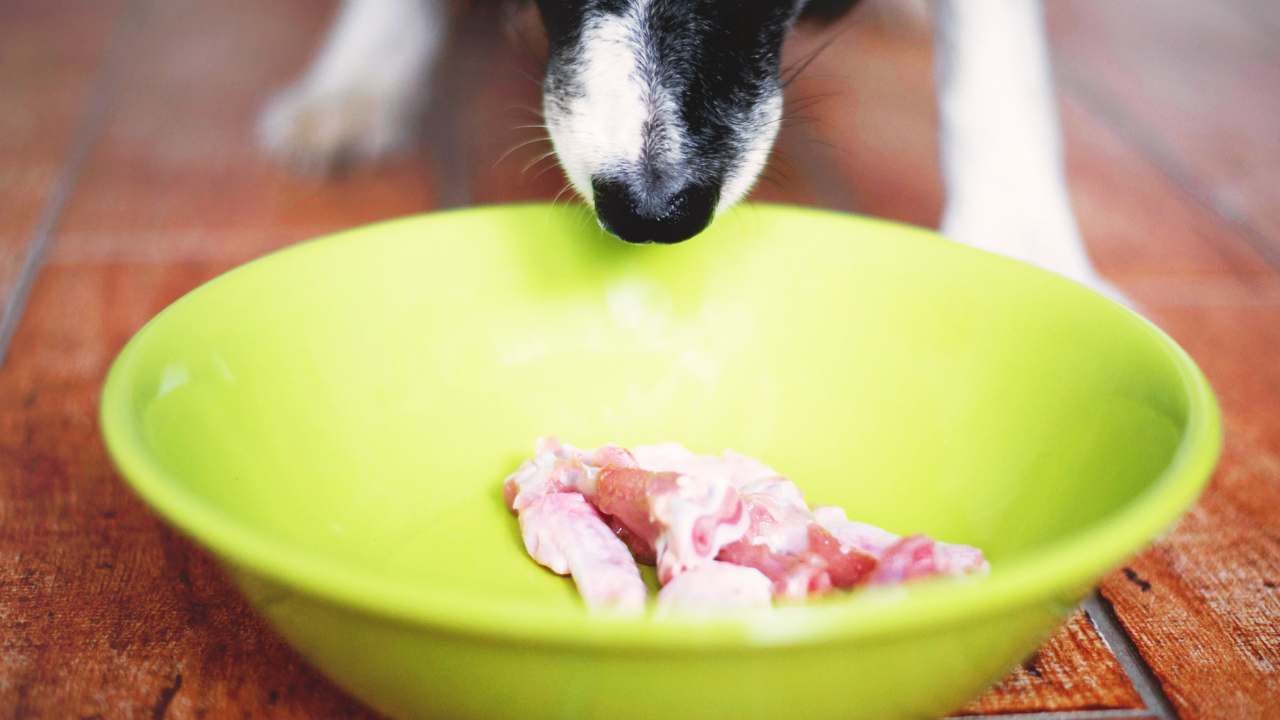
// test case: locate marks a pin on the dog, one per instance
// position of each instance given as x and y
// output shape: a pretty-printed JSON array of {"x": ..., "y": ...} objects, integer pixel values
[{"x": 663, "y": 113}]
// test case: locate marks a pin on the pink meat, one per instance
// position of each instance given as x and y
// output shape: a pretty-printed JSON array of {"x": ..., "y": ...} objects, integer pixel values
[
  {"x": 685, "y": 519},
  {"x": 717, "y": 527},
  {"x": 558, "y": 467},
  {"x": 920, "y": 556},
  {"x": 714, "y": 587},
  {"x": 902, "y": 558},
  {"x": 789, "y": 547},
  {"x": 867, "y": 538},
  {"x": 740, "y": 470},
  {"x": 566, "y": 534}
]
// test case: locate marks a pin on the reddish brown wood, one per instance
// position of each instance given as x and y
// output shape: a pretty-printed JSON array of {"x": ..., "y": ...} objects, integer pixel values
[
  {"x": 1236, "y": 346},
  {"x": 49, "y": 55},
  {"x": 1074, "y": 670},
  {"x": 1203, "y": 603},
  {"x": 178, "y": 175},
  {"x": 108, "y": 612},
  {"x": 1192, "y": 85}
]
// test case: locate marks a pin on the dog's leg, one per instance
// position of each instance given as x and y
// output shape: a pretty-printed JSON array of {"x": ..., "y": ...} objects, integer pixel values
[
  {"x": 363, "y": 93},
  {"x": 1002, "y": 159}
]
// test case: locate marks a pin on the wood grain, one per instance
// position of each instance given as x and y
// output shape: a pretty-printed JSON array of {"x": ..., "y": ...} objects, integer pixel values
[
  {"x": 1203, "y": 603},
  {"x": 178, "y": 174},
  {"x": 1074, "y": 670},
  {"x": 108, "y": 613},
  {"x": 50, "y": 53},
  {"x": 1192, "y": 85}
]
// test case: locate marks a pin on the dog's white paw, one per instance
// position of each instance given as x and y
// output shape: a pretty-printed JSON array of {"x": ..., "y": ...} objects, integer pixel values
[{"x": 316, "y": 131}]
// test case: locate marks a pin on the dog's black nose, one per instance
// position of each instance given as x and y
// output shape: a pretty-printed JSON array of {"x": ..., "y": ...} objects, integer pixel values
[{"x": 668, "y": 219}]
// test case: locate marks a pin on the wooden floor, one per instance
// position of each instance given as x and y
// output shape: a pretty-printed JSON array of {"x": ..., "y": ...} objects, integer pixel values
[{"x": 128, "y": 174}]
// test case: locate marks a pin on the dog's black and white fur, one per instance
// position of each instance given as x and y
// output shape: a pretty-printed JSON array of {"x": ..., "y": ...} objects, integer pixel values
[{"x": 663, "y": 112}]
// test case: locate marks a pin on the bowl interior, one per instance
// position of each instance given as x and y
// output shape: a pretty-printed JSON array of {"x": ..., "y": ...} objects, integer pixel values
[{"x": 361, "y": 398}]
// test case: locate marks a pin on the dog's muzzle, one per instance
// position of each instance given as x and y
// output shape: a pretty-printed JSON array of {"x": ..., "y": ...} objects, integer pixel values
[{"x": 667, "y": 218}]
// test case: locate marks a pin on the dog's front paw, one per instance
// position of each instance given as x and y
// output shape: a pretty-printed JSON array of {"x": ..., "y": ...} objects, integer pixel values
[{"x": 315, "y": 132}]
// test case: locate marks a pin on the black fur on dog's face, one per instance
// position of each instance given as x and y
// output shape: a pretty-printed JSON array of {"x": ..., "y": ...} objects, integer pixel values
[{"x": 663, "y": 111}]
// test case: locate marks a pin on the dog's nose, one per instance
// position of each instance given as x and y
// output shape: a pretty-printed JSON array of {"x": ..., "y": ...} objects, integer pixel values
[{"x": 670, "y": 219}]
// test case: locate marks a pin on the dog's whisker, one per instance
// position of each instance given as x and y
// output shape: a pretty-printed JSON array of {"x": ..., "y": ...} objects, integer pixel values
[
  {"x": 563, "y": 190},
  {"x": 789, "y": 123},
  {"x": 543, "y": 171},
  {"x": 537, "y": 160},
  {"x": 585, "y": 215},
  {"x": 552, "y": 207},
  {"x": 799, "y": 67},
  {"x": 826, "y": 144},
  {"x": 792, "y": 124},
  {"x": 802, "y": 104},
  {"x": 531, "y": 78},
  {"x": 535, "y": 111},
  {"x": 793, "y": 101},
  {"x": 517, "y": 147},
  {"x": 783, "y": 158}
]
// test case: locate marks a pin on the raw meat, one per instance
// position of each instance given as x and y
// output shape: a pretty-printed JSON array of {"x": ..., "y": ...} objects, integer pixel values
[
  {"x": 716, "y": 586},
  {"x": 902, "y": 558},
  {"x": 685, "y": 519},
  {"x": 725, "y": 531},
  {"x": 565, "y": 533},
  {"x": 559, "y": 467},
  {"x": 738, "y": 469},
  {"x": 786, "y": 544}
]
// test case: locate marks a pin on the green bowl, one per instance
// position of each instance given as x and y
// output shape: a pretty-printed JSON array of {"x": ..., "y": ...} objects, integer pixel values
[{"x": 334, "y": 422}]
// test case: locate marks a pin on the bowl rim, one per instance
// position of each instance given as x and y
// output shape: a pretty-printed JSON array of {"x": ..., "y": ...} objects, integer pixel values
[{"x": 1060, "y": 572}]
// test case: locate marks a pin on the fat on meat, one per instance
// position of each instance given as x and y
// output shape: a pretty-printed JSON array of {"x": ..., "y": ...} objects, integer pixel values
[
  {"x": 566, "y": 534},
  {"x": 684, "y": 519},
  {"x": 558, "y": 467},
  {"x": 740, "y": 470},
  {"x": 716, "y": 586},
  {"x": 786, "y": 544},
  {"x": 902, "y": 558}
]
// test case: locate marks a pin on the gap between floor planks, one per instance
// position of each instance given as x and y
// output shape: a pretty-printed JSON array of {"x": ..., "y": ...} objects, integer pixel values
[{"x": 92, "y": 119}]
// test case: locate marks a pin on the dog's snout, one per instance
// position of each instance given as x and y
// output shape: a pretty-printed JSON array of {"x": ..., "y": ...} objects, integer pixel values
[{"x": 666, "y": 218}]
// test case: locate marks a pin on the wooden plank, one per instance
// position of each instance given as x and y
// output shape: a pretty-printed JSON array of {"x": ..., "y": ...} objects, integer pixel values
[
  {"x": 1193, "y": 86},
  {"x": 875, "y": 114},
  {"x": 49, "y": 57},
  {"x": 864, "y": 104},
  {"x": 1202, "y": 604},
  {"x": 178, "y": 175},
  {"x": 1073, "y": 671},
  {"x": 109, "y": 613}
]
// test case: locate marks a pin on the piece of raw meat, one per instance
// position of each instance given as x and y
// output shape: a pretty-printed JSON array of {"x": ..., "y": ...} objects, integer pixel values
[
  {"x": 738, "y": 469},
  {"x": 685, "y": 519},
  {"x": 714, "y": 587},
  {"x": 902, "y": 558},
  {"x": 724, "y": 531},
  {"x": 558, "y": 467},
  {"x": 789, "y": 547},
  {"x": 566, "y": 534}
]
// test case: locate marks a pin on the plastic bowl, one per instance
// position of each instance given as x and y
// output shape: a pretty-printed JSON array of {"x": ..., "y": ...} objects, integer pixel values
[{"x": 334, "y": 421}]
